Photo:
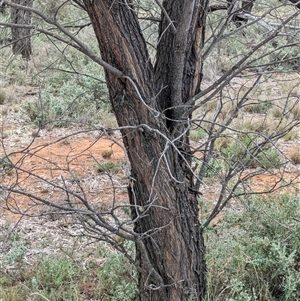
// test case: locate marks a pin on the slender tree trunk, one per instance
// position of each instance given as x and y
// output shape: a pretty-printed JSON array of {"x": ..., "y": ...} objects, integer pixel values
[
  {"x": 21, "y": 36},
  {"x": 169, "y": 241}
]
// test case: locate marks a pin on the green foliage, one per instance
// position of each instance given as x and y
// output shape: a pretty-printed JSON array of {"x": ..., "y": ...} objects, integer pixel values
[
  {"x": 260, "y": 107},
  {"x": 246, "y": 151},
  {"x": 53, "y": 272},
  {"x": 213, "y": 167},
  {"x": 242, "y": 151},
  {"x": 65, "y": 99},
  {"x": 269, "y": 158},
  {"x": 72, "y": 90},
  {"x": 109, "y": 167},
  {"x": 16, "y": 253},
  {"x": 59, "y": 278},
  {"x": 254, "y": 255},
  {"x": 118, "y": 279},
  {"x": 198, "y": 134},
  {"x": 56, "y": 279}
]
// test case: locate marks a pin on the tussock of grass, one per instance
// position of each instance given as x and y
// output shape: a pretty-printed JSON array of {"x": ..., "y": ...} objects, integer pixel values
[
  {"x": 253, "y": 124},
  {"x": 2, "y": 96},
  {"x": 277, "y": 112},
  {"x": 295, "y": 156},
  {"x": 296, "y": 111},
  {"x": 291, "y": 135}
]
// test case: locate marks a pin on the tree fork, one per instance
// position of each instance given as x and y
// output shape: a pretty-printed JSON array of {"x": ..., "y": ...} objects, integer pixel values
[{"x": 169, "y": 245}]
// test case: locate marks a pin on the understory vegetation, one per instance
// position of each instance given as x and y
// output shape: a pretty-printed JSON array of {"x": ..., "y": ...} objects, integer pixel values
[
  {"x": 252, "y": 250},
  {"x": 252, "y": 254}
]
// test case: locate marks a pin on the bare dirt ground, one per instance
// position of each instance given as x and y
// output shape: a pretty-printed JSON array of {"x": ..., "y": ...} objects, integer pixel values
[{"x": 46, "y": 154}]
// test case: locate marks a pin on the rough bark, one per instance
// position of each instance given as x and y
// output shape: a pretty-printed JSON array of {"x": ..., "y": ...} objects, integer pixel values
[
  {"x": 178, "y": 68},
  {"x": 296, "y": 3},
  {"x": 169, "y": 241},
  {"x": 21, "y": 35},
  {"x": 2, "y": 6}
]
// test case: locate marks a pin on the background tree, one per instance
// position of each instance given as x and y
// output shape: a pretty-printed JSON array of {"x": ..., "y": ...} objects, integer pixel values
[
  {"x": 20, "y": 33},
  {"x": 157, "y": 101}
]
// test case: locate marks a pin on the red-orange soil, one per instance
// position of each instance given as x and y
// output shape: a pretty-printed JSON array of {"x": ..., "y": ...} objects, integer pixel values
[
  {"x": 77, "y": 156},
  {"x": 50, "y": 158}
]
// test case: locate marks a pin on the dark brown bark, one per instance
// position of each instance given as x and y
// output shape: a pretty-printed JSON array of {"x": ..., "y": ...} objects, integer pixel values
[
  {"x": 169, "y": 241},
  {"x": 178, "y": 68},
  {"x": 2, "y": 6},
  {"x": 21, "y": 36},
  {"x": 296, "y": 3}
]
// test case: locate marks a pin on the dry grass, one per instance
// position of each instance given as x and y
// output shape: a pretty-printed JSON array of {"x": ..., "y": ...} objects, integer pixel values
[
  {"x": 296, "y": 111},
  {"x": 291, "y": 135},
  {"x": 254, "y": 123},
  {"x": 2, "y": 96},
  {"x": 295, "y": 156},
  {"x": 223, "y": 142},
  {"x": 4, "y": 110},
  {"x": 14, "y": 94},
  {"x": 106, "y": 154},
  {"x": 277, "y": 112}
]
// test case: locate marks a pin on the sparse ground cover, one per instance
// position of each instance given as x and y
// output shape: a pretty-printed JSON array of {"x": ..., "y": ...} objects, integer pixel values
[
  {"x": 251, "y": 256},
  {"x": 47, "y": 258}
]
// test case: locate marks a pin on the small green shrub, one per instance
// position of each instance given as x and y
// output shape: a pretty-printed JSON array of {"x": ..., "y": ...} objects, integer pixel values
[
  {"x": 214, "y": 167},
  {"x": 56, "y": 279},
  {"x": 269, "y": 158},
  {"x": 198, "y": 134},
  {"x": 259, "y": 107},
  {"x": 53, "y": 272},
  {"x": 118, "y": 279},
  {"x": 255, "y": 254},
  {"x": 16, "y": 253},
  {"x": 109, "y": 167},
  {"x": 246, "y": 151},
  {"x": 67, "y": 95},
  {"x": 61, "y": 110}
]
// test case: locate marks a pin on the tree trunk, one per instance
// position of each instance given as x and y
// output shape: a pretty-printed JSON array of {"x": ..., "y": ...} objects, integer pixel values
[
  {"x": 169, "y": 242},
  {"x": 21, "y": 35}
]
